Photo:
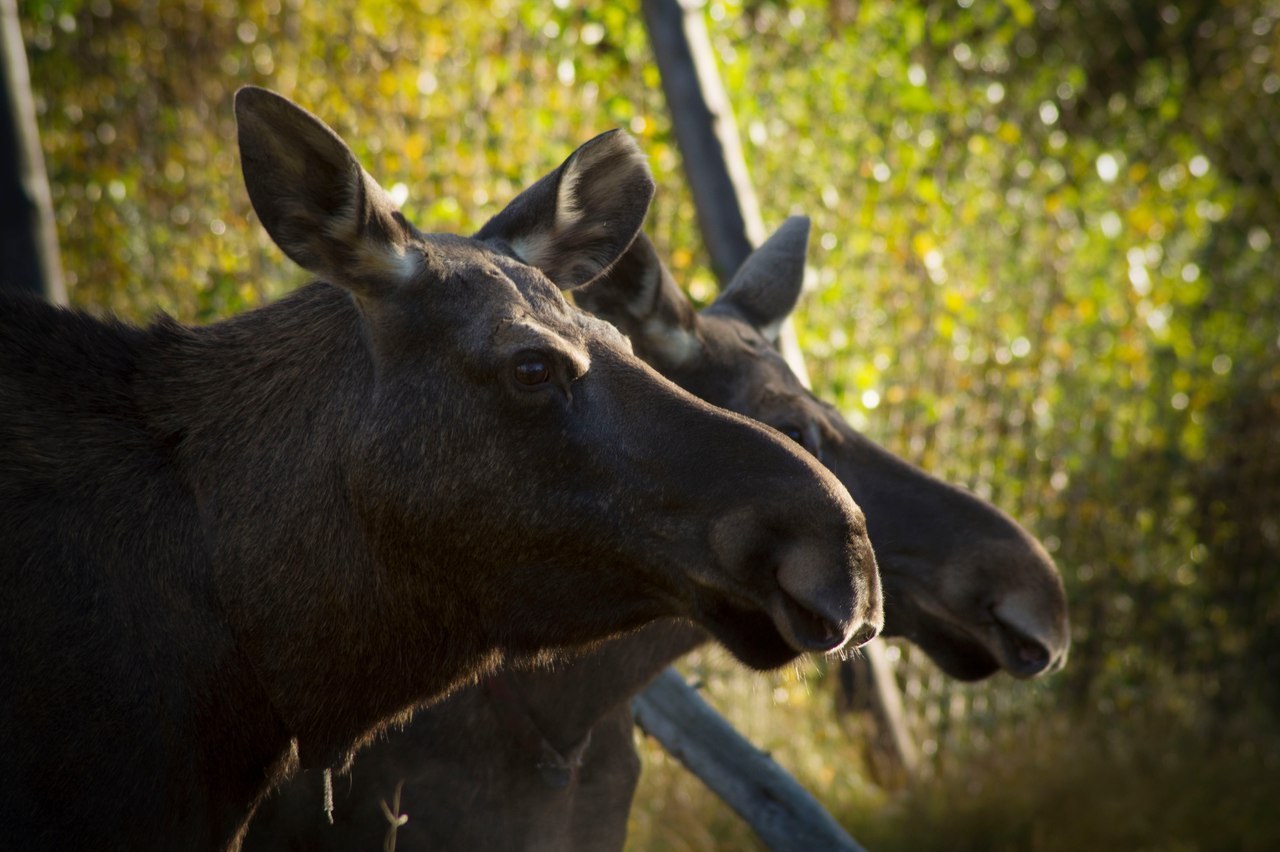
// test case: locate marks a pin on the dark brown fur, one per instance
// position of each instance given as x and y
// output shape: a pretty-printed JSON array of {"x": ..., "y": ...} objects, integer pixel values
[
  {"x": 962, "y": 580},
  {"x": 230, "y": 550}
]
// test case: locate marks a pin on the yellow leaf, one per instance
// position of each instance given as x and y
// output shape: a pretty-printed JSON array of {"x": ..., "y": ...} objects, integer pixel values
[
  {"x": 945, "y": 326},
  {"x": 922, "y": 243},
  {"x": 415, "y": 147}
]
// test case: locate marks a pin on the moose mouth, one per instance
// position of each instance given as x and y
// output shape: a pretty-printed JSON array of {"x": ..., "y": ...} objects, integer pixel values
[
  {"x": 972, "y": 649},
  {"x": 770, "y": 637},
  {"x": 953, "y": 650}
]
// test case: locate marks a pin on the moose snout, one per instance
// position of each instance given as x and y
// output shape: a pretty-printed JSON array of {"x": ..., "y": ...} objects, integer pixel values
[
  {"x": 828, "y": 598},
  {"x": 815, "y": 578}
]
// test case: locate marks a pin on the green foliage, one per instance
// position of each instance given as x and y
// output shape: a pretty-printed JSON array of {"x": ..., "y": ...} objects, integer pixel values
[
  {"x": 454, "y": 107},
  {"x": 1044, "y": 265}
]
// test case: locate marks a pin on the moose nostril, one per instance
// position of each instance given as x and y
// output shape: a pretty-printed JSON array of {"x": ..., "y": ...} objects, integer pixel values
[
  {"x": 863, "y": 635},
  {"x": 820, "y": 630},
  {"x": 1031, "y": 652}
]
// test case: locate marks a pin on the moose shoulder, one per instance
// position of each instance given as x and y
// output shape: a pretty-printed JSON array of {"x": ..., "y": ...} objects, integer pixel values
[{"x": 231, "y": 550}]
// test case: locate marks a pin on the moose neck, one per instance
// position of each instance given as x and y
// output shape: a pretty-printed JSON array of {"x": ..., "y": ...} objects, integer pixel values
[
  {"x": 566, "y": 701},
  {"x": 310, "y": 606}
]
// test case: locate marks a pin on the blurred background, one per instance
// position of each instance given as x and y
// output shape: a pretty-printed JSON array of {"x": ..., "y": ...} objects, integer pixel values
[{"x": 1043, "y": 266}]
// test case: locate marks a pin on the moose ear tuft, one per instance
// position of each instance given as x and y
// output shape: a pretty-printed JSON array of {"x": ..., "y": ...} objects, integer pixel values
[
  {"x": 765, "y": 289},
  {"x": 576, "y": 221},
  {"x": 319, "y": 206}
]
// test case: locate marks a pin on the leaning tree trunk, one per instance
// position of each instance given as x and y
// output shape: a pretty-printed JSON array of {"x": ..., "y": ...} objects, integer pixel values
[
  {"x": 728, "y": 212},
  {"x": 28, "y": 238},
  {"x": 783, "y": 814},
  {"x": 732, "y": 226}
]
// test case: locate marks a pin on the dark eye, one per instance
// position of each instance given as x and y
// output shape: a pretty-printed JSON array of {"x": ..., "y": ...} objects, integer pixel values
[
  {"x": 795, "y": 433},
  {"x": 532, "y": 370},
  {"x": 800, "y": 435}
]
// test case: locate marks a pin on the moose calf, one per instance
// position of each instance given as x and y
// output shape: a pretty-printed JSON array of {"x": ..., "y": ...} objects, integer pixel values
[{"x": 232, "y": 550}]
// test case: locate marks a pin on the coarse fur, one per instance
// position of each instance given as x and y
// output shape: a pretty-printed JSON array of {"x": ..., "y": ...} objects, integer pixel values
[
  {"x": 963, "y": 581},
  {"x": 232, "y": 550}
]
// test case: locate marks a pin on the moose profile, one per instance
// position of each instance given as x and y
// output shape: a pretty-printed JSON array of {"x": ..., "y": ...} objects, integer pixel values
[
  {"x": 230, "y": 551},
  {"x": 545, "y": 759}
]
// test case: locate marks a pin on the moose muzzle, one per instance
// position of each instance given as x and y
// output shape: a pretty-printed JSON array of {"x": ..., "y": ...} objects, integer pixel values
[
  {"x": 818, "y": 611},
  {"x": 818, "y": 585}
]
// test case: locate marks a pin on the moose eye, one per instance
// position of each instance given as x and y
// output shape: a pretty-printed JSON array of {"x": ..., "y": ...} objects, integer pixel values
[
  {"x": 801, "y": 436},
  {"x": 532, "y": 370}
]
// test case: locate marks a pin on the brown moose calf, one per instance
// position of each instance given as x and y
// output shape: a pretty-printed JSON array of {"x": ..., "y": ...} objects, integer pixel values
[{"x": 228, "y": 551}]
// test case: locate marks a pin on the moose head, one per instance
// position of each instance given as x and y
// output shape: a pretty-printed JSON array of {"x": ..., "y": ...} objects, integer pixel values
[
  {"x": 517, "y": 476},
  {"x": 962, "y": 579}
]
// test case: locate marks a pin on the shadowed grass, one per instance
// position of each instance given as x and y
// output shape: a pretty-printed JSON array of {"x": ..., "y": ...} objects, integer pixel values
[
  {"x": 1143, "y": 781},
  {"x": 1133, "y": 786}
]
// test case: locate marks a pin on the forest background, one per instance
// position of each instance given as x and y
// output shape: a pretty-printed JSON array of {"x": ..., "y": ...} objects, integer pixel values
[{"x": 1044, "y": 265}]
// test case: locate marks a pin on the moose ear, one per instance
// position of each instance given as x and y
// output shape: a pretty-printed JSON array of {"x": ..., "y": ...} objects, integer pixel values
[
  {"x": 575, "y": 222},
  {"x": 639, "y": 296},
  {"x": 315, "y": 200},
  {"x": 766, "y": 287}
]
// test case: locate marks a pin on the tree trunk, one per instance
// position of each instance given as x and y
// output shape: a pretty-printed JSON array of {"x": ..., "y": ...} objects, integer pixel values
[
  {"x": 732, "y": 226},
  {"x": 728, "y": 212},
  {"x": 28, "y": 238},
  {"x": 783, "y": 813}
]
